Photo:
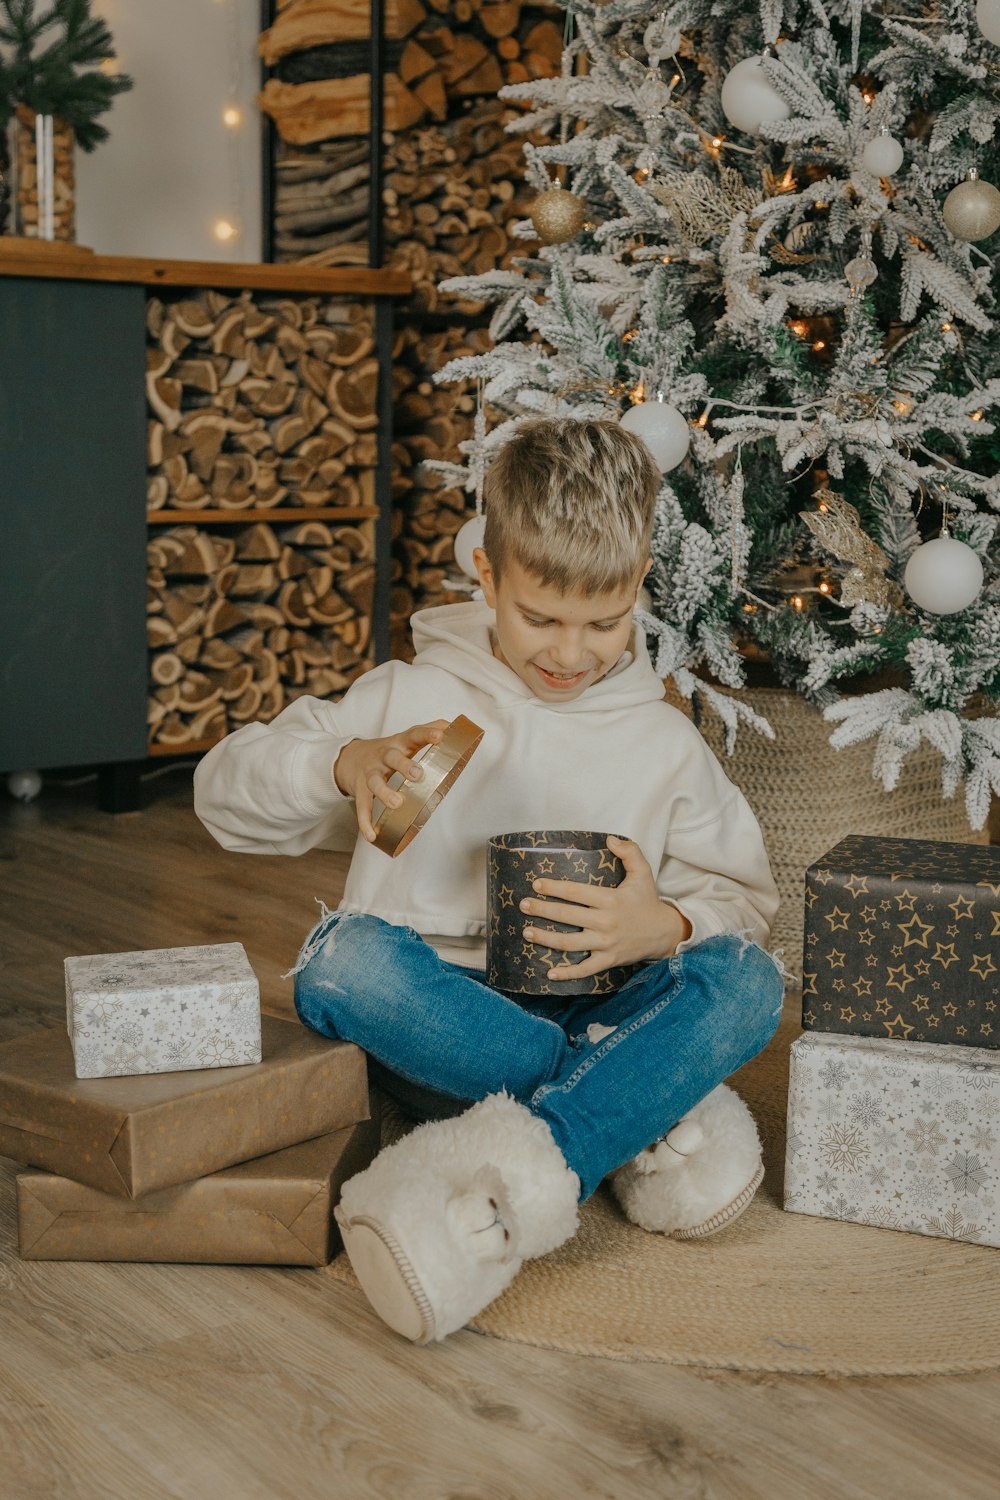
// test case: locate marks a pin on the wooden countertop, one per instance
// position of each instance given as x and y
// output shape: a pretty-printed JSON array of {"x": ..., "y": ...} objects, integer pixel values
[{"x": 57, "y": 259}]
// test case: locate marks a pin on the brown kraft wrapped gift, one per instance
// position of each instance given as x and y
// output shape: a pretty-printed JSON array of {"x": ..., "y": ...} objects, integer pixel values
[{"x": 132, "y": 1135}]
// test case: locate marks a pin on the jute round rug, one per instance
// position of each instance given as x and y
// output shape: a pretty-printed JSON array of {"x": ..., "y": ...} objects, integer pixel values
[{"x": 775, "y": 1291}]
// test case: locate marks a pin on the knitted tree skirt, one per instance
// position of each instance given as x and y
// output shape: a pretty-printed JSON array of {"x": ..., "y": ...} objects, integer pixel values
[{"x": 775, "y": 1291}]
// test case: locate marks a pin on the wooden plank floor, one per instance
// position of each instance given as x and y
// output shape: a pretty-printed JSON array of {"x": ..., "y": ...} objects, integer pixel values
[{"x": 141, "y": 1382}]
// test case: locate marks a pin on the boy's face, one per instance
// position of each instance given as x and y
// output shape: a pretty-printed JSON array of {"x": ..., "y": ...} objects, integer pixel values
[{"x": 559, "y": 644}]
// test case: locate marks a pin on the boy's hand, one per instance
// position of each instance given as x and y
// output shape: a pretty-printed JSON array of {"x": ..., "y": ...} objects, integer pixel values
[
  {"x": 622, "y": 924},
  {"x": 363, "y": 768}
]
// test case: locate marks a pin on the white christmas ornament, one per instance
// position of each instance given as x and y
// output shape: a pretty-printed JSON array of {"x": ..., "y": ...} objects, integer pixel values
[
  {"x": 943, "y": 576},
  {"x": 883, "y": 155},
  {"x": 988, "y": 19},
  {"x": 24, "y": 785},
  {"x": 749, "y": 98},
  {"x": 467, "y": 539},
  {"x": 663, "y": 429},
  {"x": 972, "y": 210}
]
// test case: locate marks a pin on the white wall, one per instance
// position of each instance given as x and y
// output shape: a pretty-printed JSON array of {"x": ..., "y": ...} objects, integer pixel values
[{"x": 172, "y": 169}]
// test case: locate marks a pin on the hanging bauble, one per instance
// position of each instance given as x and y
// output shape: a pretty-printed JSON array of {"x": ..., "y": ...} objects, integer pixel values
[
  {"x": 661, "y": 38},
  {"x": 988, "y": 19},
  {"x": 749, "y": 98},
  {"x": 663, "y": 429},
  {"x": 972, "y": 210},
  {"x": 943, "y": 576},
  {"x": 861, "y": 272},
  {"x": 883, "y": 154},
  {"x": 557, "y": 215},
  {"x": 467, "y": 539}
]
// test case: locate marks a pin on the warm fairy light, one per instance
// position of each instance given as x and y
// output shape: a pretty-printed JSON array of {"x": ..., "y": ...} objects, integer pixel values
[
  {"x": 824, "y": 587},
  {"x": 819, "y": 344},
  {"x": 109, "y": 67},
  {"x": 717, "y": 141},
  {"x": 947, "y": 327},
  {"x": 639, "y": 394},
  {"x": 231, "y": 116},
  {"x": 630, "y": 335},
  {"x": 903, "y": 407},
  {"x": 799, "y": 328},
  {"x": 821, "y": 205},
  {"x": 823, "y": 506},
  {"x": 797, "y": 601},
  {"x": 702, "y": 420},
  {"x": 977, "y": 416},
  {"x": 675, "y": 80},
  {"x": 666, "y": 259},
  {"x": 787, "y": 182},
  {"x": 869, "y": 96},
  {"x": 223, "y": 229}
]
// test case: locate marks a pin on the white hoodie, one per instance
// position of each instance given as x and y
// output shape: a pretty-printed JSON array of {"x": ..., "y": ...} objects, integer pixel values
[{"x": 617, "y": 759}]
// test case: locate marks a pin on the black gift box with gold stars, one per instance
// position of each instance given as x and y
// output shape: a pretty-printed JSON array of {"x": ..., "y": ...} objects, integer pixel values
[
  {"x": 902, "y": 939},
  {"x": 516, "y": 860}
]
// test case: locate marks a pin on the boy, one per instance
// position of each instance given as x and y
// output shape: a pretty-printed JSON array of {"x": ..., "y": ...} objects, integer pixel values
[{"x": 541, "y": 1100}]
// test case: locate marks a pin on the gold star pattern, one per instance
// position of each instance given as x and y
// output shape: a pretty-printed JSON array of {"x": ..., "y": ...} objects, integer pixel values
[
  {"x": 899, "y": 984},
  {"x": 867, "y": 937},
  {"x": 505, "y": 896},
  {"x": 962, "y": 906},
  {"x": 944, "y": 954},
  {"x": 546, "y": 866},
  {"x": 915, "y": 932},
  {"x": 809, "y": 985},
  {"x": 857, "y": 885},
  {"x": 862, "y": 987},
  {"x": 950, "y": 1009},
  {"x": 809, "y": 1018},
  {"x": 883, "y": 1007},
  {"x": 994, "y": 889},
  {"x": 868, "y": 914},
  {"x": 825, "y": 876},
  {"x": 607, "y": 860},
  {"x": 921, "y": 966},
  {"x": 897, "y": 1028},
  {"x": 905, "y": 901},
  {"x": 982, "y": 966},
  {"x": 847, "y": 1014},
  {"x": 835, "y": 958},
  {"x": 837, "y": 919}
]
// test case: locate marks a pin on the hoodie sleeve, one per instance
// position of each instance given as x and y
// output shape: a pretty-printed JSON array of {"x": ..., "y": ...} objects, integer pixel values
[
  {"x": 269, "y": 788},
  {"x": 715, "y": 867}
]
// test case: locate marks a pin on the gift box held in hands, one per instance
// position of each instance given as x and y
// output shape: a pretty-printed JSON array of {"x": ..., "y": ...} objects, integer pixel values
[
  {"x": 516, "y": 860},
  {"x": 162, "y": 1011},
  {"x": 899, "y": 1135},
  {"x": 901, "y": 941}
]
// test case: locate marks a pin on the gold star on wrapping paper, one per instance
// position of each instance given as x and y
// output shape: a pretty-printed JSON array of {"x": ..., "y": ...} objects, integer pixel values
[
  {"x": 868, "y": 914},
  {"x": 824, "y": 876},
  {"x": 883, "y": 1007},
  {"x": 837, "y": 528},
  {"x": 835, "y": 958},
  {"x": 921, "y": 1003},
  {"x": 934, "y": 1020},
  {"x": 809, "y": 985},
  {"x": 811, "y": 900},
  {"x": 905, "y": 901},
  {"x": 960, "y": 1031},
  {"x": 993, "y": 889},
  {"x": 857, "y": 885},
  {"x": 988, "y": 966},
  {"x": 580, "y": 866},
  {"x": 996, "y": 923},
  {"x": 847, "y": 1014},
  {"x": 897, "y": 1028},
  {"x": 835, "y": 924},
  {"x": 862, "y": 987},
  {"x": 840, "y": 984},
  {"x": 809, "y": 1017},
  {"x": 945, "y": 954},
  {"x": 546, "y": 866},
  {"x": 959, "y": 905},
  {"x": 951, "y": 1009},
  {"x": 986, "y": 1029},
  {"x": 899, "y": 984},
  {"x": 915, "y": 932},
  {"x": 506, "y": 896},
  {"x": 867, "y": 937},
  {"x": 921, "y": 966},
  {"x": 607, "y": 860}
]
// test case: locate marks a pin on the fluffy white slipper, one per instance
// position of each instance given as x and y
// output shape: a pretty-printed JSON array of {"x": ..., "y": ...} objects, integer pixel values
[
  {"x": 700, "y": 1176},
  {"x": 441, "y": 1221}
]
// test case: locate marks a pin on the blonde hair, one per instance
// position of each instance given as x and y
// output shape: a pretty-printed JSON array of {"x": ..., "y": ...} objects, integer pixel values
[{"x": 572, "y": 502}]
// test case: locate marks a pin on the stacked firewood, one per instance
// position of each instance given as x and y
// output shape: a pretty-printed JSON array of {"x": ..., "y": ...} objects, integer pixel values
[
  {"x": 257, "y": 403},
  {"x": 239, "y": 625},
  {"x": 430, "y": 422}
]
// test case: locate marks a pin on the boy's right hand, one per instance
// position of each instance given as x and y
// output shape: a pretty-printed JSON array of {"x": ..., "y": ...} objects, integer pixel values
[{"x": 363, "y": 767}]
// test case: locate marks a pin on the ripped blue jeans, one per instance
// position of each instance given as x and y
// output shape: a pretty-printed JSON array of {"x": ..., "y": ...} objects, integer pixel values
[{"x": 609, "y": 1074}]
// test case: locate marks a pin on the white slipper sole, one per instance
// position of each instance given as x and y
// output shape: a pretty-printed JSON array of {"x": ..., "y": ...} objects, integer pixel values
[
  {"x": 725, "y": 1215},
  {"x": 388, "y": 1279}
]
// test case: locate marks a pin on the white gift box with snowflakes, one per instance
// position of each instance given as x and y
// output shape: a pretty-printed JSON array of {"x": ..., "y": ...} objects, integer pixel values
[
  {"x": 901, "y": 1135},
  {"x": 164, "y": 1010}
]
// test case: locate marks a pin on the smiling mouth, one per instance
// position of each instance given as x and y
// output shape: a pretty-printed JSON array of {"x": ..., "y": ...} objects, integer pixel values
[{"x": 560, "y": 680}]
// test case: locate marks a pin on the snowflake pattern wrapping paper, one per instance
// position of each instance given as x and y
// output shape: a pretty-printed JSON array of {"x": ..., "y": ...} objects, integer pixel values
[
  {"x": 901, "y": 941},
  {"x": 165, "y": 1010},
  {"x": 899, "y": 1135}
]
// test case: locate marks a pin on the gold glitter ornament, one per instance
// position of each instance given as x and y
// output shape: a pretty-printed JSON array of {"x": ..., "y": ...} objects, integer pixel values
[
  {"x": 837, "y": 528},
  {"x": 557, "y": 216},
  {"x": 972, "y": 210}
]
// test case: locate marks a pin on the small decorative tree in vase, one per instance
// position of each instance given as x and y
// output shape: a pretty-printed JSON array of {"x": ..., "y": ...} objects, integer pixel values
[{"x": 55, "y": 80}]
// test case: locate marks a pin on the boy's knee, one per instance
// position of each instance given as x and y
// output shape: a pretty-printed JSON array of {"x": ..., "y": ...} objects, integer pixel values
[
  {"x": 744, "y": 977},
  {"x": 338, "y": 964}
]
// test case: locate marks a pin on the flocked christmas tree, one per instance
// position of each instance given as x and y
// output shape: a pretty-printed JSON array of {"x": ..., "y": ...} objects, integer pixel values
[{"x": 768, "y": 246}]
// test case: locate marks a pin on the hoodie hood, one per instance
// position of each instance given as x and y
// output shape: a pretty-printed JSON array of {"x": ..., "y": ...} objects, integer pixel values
[{"x": 458, "y": 638}]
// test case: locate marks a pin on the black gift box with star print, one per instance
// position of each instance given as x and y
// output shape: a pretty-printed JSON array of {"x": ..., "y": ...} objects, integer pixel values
[
  {"x": 902, "y": 940},
  {"x": 516, "y": 860}
]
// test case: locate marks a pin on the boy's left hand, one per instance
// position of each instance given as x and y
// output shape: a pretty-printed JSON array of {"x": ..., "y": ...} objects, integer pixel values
[{"x": 623, "y": 924}]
